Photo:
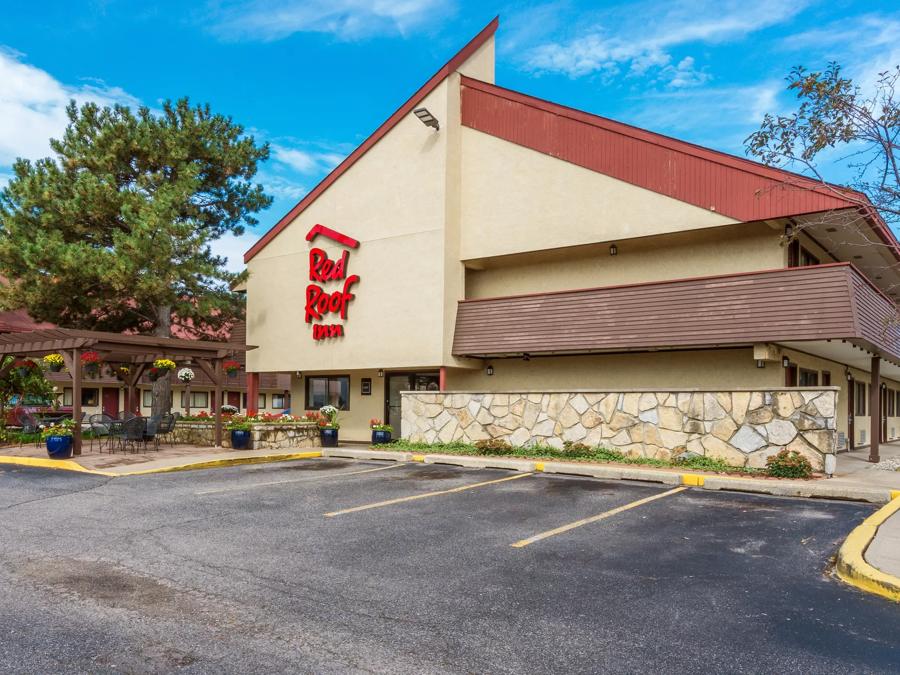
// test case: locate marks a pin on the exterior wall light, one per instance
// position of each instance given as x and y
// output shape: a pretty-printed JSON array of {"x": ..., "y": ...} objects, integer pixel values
[
  {"x": 299, "y": 374},
  {"x": 849, "y": 375},
  {"x": 760, "y": 363},
  {"x": 613, "y": 249},
  {"x": 380, "y": 372},
  {"x": 788, "y": 230},
  {"x": 526, "y": 357},
  {"x": 785, "y": 362},
  {"x": 427, "y": 118},
  {"x": 489, "y": 370}
]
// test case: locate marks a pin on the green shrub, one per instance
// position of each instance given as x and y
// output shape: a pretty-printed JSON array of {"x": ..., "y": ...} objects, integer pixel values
[
  {"x": 493, "y": 446},
  {"x": 788, "y": 464},
  {"x": 576, "y": 449}
]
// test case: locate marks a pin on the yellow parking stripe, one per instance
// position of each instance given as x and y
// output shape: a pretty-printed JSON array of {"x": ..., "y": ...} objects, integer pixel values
[
  {"x": 593, "y": 519},
  {"x": 400, "y": 500},
  {"x": 298, "y": 480}
]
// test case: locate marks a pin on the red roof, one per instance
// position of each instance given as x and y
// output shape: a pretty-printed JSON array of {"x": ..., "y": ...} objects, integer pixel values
[
  {"x": 449, "y": 67},
  {"x": 18, "y": 321}
]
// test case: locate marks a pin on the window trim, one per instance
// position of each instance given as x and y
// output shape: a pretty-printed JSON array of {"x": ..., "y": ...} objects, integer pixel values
[
  {"x": 808, "y": 373},
  {"x": 308, "y": 378}
]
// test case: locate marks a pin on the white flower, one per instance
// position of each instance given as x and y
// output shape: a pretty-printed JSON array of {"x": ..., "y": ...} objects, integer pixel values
[{"x": 185, "y": 375}]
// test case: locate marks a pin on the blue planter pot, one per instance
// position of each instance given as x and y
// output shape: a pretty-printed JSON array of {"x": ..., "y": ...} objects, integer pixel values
[
  {"x": 240, "y": 440},
  {"x": 329, "y": 437},
  {"x": 59, "y": 447},
  {"x": 380, "y": 437}
]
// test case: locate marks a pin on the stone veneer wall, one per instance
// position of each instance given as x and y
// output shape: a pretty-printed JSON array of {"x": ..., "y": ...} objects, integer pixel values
[
  {"x": 740, "y": 427},
  {"x": 264, "y": 436}
]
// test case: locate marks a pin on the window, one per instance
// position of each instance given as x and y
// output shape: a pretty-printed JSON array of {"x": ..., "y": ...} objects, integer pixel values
[
  {"x": 334, "y": 390},
  {"x": 809, "y": 378},
  {"x": 278, "y": 402},
  {"x": 859, "y": 399},
  {"x": 889, "y": 401},
  {"x": 826, "y": 378},
  {"x": 199, "y": 399},
  {"x": 799, "y": 256},
  {"x": 260, "y": 401},
  {"x": 147, "y": 398},
  {"x": 90, "y": 397},
  {"x": 67, "y": 396}
]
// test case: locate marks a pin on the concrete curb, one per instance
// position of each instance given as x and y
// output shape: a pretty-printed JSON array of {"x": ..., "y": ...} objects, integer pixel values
[
  {"x": 779, "y": 488},
  {"x": 851, "y": 563},
  {"x": 70, "y": 465}
]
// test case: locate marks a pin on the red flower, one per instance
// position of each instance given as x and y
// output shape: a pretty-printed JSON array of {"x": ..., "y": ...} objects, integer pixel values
[
  {"x": 90, "y": 357},
  {"x": 231, "y": 366}
]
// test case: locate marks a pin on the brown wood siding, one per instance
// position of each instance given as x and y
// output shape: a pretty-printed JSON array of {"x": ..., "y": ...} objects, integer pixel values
[
  {"x": 810, "y": 303},
  {"x": 733, "y": 186}
]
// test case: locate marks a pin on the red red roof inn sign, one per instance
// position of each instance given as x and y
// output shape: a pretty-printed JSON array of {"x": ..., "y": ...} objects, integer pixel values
[{"x": 322, "y": 304}]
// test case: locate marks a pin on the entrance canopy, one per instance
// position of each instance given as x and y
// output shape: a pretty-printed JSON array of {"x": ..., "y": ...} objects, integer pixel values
[{"x": 138, "y": 351}]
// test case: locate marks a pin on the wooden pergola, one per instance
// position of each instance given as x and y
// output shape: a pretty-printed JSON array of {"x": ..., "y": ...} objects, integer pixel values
[{"x": 136, "y": 351}]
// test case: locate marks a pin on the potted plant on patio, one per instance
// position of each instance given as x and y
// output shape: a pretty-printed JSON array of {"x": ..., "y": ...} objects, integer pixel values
[
  {"x": 381, "y": 432},
  {"x": 186, "y": 375},
  {"x": 58, "y": 438},
  {"x": 121, "y": 372},
  {"x": 232, "y": 368},
  {"x": 328, "y": 426},
  {"x": 54, "y": 362},
  {"x": 91, "y": 362},
  {"x": 240, "y": 432}
]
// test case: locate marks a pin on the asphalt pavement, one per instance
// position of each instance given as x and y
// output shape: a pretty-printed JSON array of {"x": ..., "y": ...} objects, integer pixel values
[{"x": 414, "y": 570}]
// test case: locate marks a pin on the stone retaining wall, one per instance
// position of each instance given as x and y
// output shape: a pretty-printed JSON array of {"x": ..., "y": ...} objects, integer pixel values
[
  {"x": 742, "y": 427},
  {"x": 264, "y": 436}
]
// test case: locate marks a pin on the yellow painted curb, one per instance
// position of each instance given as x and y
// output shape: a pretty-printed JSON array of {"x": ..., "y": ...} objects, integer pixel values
[
  {"x": 417, "y": 458},
  {"x": 538, "y": 466},
  {"x": 692, "y": 479},
  {"x": 69, "y": 465},
  {"x": 229, "y": 461},
  {"x": 895, "y": 494},
  {"x": 851, "y": 563},
  {"x": 63, "y": 464}
]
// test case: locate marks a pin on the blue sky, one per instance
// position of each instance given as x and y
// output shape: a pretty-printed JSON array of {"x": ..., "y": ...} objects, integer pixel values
[{"x": 314, "y": 78}]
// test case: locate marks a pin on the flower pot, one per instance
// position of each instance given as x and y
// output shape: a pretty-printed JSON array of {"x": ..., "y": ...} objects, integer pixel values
[
  {"x": 59, "y": 447},
  {"x": 92, "y": 369},
  {"x": 240, "y": 439},
  {"x": 56, "y": 367},
  {"x": 380, "y": 437},
  {"x": 329, "y": 437},
  {"x": 23, "y": 372},
  {"x": 232, "y": 373}
]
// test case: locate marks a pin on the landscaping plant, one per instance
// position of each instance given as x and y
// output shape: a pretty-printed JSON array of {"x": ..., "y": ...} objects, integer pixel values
[{"x": 789, "y": 464}]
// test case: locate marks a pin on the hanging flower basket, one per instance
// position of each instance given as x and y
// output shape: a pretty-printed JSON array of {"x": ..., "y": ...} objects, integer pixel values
[
  {"x": 122, "y": 372},
  {"x": 54, "y": 362},
  {"x": 24, "y": 367},
  {"x": 91, "y": 362},
  {"x": 186, "y": 375},
  {"x": 153, "y": 374},
  {"x": 232, "y": 368}
]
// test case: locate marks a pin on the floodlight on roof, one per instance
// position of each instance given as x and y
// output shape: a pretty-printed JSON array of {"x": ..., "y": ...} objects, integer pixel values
[{"x": 427, "y": 118}]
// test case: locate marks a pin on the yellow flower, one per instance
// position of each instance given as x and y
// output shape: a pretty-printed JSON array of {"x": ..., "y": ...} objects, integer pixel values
[
  {"x": 164, "y": 364},
  {"x": 54, "y": 360}
]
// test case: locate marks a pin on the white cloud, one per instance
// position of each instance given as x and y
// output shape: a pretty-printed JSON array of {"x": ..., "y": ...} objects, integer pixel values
[
  {"x": 233, "y": 248},
  {"x": 33, "y": 103},
  {"x": 280, "y": 187},
  {"x": 637, "y": 39},
  {"x": 865, "y": 45},
  {"x": 269, "y": 20},
  {"x": 305, "y": 161}
]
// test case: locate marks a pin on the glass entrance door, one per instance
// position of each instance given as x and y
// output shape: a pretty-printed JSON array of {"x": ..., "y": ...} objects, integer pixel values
[{"x": 397, "y": 382}]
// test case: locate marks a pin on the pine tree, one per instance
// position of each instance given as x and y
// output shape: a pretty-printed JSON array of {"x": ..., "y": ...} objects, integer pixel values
[{"x": 113, "y": 232}]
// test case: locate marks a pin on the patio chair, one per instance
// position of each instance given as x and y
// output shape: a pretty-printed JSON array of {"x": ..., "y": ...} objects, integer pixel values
[
  {"x": 166, "y": 430},
  {"x": 151, "y": 431},
  {"x": 126, "y": 415},
  {"x": 133, "y": 432},
  {"x": 116, "y": 436},
  {"x": 100, "y": 429},
  {"x": 29, "y": 424}
]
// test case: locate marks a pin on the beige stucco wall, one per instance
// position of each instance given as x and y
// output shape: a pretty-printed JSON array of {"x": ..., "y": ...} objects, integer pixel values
[
  {"x": 396, "y": 200},
  {"x": 355, "y": 421},
  {"x": 516, "y": 199},
  {"x": 712, "y": 369},
  {"x": 744, "y": 247}
]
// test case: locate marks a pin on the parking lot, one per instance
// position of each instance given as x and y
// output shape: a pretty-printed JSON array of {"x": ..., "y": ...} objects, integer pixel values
[{"x": 337, "y": 566}]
